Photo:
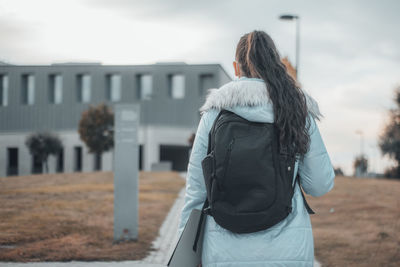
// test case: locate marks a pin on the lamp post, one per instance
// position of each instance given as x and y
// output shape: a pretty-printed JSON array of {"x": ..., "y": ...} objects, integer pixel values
[
  {"x": 297, "y": 18},
  {"x": 359, "y": 132}
]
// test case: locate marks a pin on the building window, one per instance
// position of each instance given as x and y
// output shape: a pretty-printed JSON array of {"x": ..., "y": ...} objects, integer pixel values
[
  {"x": 78, "y": 158},
  {"x": 145, "y": 86},
  {"x": 176, "y": 86},
  {"x": 84, "y": 87},
  {"x": 28, "y": 89},
  {"x": 55, "y": 85},
  {"x": 113, "y": 87},
  {"x": 3, "y": 90},
  {"x": 12, "y": 161},
  {"x": 206, "y": 81}
]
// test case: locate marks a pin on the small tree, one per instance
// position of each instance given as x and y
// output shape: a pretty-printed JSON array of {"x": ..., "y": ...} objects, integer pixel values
[
  {"x": 96, "y": 130},
  {"x": 338, "y": 171},
  {"x": 360, "y": 166},
  {"x": 42, "y": 145},
  {"x": 389, "y": 141}
]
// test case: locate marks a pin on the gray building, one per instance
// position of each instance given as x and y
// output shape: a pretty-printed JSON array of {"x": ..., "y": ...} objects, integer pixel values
[{"x": 52, "y": 98}]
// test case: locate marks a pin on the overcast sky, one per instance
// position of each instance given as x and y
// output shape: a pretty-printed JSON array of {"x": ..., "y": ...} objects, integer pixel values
[{"x": 349, "y": 55}]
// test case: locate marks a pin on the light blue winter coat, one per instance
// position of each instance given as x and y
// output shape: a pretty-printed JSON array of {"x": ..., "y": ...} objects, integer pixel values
[{"x": 288, "y": 243}]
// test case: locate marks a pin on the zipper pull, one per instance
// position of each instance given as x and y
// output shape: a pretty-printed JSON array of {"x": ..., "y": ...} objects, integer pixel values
[
  {"x": 207, "y": 210},
  {"x": 231, "y": 143}
]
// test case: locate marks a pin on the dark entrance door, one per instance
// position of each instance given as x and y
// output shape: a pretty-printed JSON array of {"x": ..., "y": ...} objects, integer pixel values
[
  {"x": 140, "y": 157},
  {"x": 12, "y": 161},
  {"x": 37, "y": 166},
  {"x": 97, "y": 161},
  {"x": 60, "y": 161},
  {"x": 178, "y": 155},
  {"x": 78, "y": 158}
]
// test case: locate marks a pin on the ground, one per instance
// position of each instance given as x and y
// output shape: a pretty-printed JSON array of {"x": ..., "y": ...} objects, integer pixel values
[
  {"x": 358, "y": 223},
  {"x": 63, "y": 217},
  {"x": 69, "y": 217}
]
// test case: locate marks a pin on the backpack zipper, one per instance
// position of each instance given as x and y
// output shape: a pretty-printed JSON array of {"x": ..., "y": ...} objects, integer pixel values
[{"x": 226, "y": 161}]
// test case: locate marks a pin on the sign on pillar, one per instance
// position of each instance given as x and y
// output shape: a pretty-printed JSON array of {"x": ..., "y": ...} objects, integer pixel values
[{"x": 126, "y": 171}]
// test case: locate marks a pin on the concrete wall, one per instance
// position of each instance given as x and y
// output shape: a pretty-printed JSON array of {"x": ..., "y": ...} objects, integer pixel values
[
  {"x": 163, "y": 120},
  {"x": 160, "y": 110},
  {"x": 151, "y": 137}
]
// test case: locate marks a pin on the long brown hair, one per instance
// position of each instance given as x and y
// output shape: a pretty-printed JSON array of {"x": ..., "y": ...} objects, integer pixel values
[{"x": 258, "y": 57}]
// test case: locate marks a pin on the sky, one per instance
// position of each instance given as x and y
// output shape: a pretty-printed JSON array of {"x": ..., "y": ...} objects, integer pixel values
[{"x": 349, "y": 50}]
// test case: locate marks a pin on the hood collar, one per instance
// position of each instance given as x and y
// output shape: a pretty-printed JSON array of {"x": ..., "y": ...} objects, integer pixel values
[{"x": 247, "y": 92}]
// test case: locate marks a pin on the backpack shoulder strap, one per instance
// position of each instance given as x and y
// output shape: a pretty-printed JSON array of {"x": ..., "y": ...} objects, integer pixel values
[
  {"x": 200, "y": 225},
  {"x": 209, "y": 147},
  {"x": 205, "y": 207},
  {"x": 309, "y": 210}
]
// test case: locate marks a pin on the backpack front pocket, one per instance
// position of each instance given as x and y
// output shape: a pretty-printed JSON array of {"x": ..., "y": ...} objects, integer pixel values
[{"x": 249, "y": 180}]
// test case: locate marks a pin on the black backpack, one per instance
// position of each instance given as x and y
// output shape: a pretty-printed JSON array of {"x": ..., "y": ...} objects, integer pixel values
[{"x": 248, "y": 175}]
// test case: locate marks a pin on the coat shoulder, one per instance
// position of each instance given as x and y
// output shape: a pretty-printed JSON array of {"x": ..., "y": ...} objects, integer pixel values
[{"x": 208, "y": 117}]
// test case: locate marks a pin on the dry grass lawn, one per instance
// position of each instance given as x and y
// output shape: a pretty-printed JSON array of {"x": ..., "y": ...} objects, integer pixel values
[
  {"x": 67, "y": 217},
  {"x": 63, "y": 217},
  {"x": 358, "y": 223}
]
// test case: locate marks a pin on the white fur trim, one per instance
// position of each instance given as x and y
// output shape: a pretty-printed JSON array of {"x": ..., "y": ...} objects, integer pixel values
[{"x": 246, "y": 92}]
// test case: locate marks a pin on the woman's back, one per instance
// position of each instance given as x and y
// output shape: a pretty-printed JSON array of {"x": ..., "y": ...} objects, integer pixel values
[{"x": 290, "y": 242}]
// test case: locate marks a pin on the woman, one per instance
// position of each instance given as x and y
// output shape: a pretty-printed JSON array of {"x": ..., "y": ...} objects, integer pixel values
[{"x": 263, "y": 92}]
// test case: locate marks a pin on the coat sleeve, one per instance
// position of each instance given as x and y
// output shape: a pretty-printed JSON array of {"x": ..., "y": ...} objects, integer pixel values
[
  {"x": 195, "y": 186},
  {"x": 315, "y": 169}
]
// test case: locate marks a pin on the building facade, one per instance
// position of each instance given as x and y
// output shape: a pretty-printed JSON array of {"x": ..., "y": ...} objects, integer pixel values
[{"x": 51, "y": 98}]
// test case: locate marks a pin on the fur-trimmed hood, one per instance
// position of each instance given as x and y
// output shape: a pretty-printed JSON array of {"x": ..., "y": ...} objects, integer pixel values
[{"x": 246, "y": 92}]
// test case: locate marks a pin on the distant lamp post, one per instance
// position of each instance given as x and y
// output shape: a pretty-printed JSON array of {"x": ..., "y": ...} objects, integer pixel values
[
  {"x": 361, "y": 134},
  {"x": 297, "y": 18}
]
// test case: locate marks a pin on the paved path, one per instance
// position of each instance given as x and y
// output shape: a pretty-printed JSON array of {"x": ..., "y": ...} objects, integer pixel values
[{"x": 163, "y": 246}]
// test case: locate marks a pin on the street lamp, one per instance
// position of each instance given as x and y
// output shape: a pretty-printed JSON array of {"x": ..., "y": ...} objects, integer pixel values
[
  {"x": 297, "y": 18},
  {"x": 361, "y": 133}
]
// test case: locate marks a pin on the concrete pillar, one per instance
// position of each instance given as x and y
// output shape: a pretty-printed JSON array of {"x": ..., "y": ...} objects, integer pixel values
[{"x": 126, "y": 171}]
